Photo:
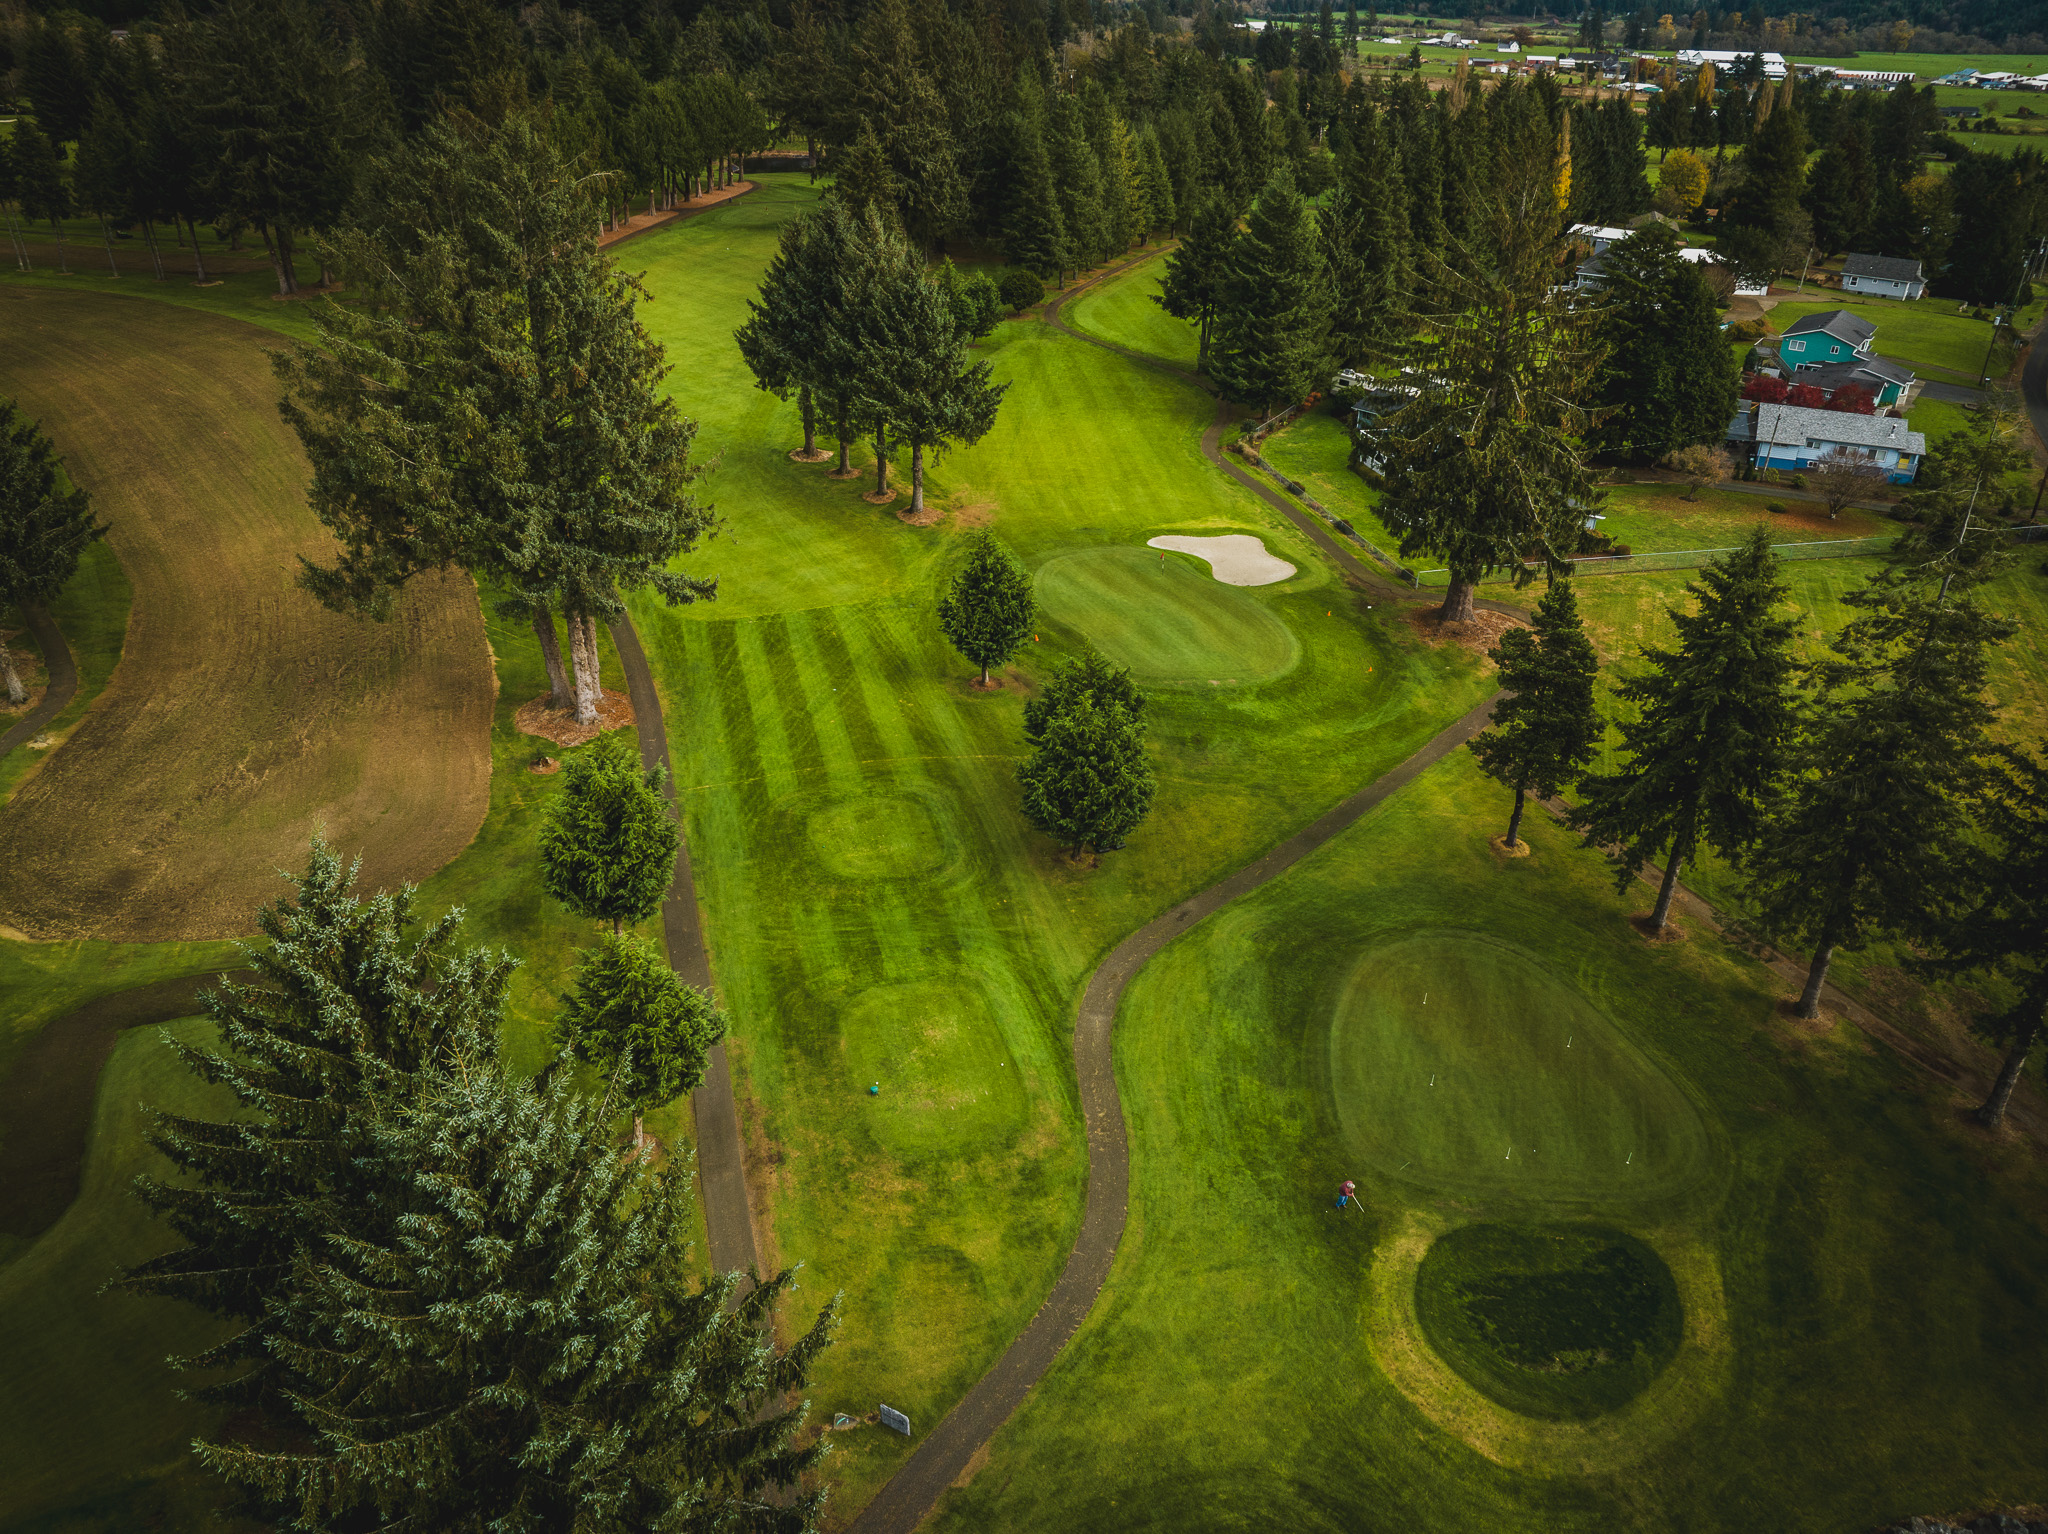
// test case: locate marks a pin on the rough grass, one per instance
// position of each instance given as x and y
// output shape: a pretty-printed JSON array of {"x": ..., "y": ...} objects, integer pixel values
[
  {"x": 1861, "y": 1280},
  {"x": 92, "y": 610},
  {"x": 243, "y": 716}
]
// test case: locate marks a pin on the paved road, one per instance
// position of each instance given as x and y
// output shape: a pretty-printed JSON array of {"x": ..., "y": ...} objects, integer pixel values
[
  {"x": 61, "y": 679},
  {"x": 721, "y": 1159}
]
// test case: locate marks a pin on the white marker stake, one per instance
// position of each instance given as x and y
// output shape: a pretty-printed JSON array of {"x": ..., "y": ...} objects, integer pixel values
[
  {"x": 1631, "y": 1159},
  {"x": 1568, "y": 1040}
]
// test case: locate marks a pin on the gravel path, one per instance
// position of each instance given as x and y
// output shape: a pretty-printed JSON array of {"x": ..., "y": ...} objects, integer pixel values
[{"x": 62, "y": 679}]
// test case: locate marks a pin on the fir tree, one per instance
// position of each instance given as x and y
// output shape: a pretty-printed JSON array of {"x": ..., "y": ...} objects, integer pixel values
[
  {"x": 988, "y": 611},
  {"x": 1093, "y": 676},
  {"x": 1078, "y": 177},
  {"x": 1669, "y": 379},
  {"x": 349, "y": 999},
  {"x": 1714, "y": 721},
  {"x": 39, "y": 183},
  {"x": 1088, "y": 784},
  {"x": 1773, "y": 176},
  {"x": 1872, "y": 837},
  {"x": 787, "y": 340},
  {"x": 1545, "y": 730},
  {"x": 862, "y": 181},
  {"x": 1367, "y": 244},
  {"x": 44, "y": 528},
  {"x": 608, "y": 844},
  {"x": 1198, "y": 270},
  {"x": 646, "y": 1033},
  {"x": 930, "y": 393},
  {"x": 1840, "y": 192},
  {"x": 1272, "y": 334},
  {"x": 887, "y": 89},
  {"x": 1034, "y": 232},
  {"x": 1161, "y": 211},
  {"x": 1485, "y": 466}
]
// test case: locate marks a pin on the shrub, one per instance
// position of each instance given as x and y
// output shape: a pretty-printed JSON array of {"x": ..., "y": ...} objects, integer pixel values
[
  {"x": 1622, "y": 551},
  {"x": 1776, "y": 506},
  {"x": 1799, "y": 482},
  {"x": 1020, "y": 288}
]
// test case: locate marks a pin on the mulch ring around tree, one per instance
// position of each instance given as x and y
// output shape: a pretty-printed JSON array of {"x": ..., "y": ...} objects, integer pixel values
[
  {"x": 1501, "y": 849},
  {"x": 1480, "y": 635},
  {"x": 1670, "y": 933},
  {"x": 542, "y": 719},
  {"x": 813, "y": 455},
  {"x": 878, "y": 498}
]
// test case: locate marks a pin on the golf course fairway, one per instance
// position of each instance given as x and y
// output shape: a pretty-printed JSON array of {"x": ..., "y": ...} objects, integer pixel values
[
  {"x": 1464, "y": 1064},
  {"x": 1164, "y": 617}
]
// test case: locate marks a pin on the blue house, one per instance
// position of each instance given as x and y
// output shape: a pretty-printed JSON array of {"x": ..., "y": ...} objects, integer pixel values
[
  {"x": 1833, "y": 336},
  {"x": 1791, "y": 437}
]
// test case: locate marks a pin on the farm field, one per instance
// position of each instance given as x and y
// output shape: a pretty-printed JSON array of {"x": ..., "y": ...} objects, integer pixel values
[{"x": 1831, "y": 1290}]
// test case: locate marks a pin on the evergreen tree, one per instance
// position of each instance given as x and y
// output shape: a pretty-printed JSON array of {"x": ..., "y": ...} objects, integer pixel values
[
  {"x": 787, "y": 339},
  {"x": 988, "y": 611},
  {"x": 491, "y": 399},
  {"x": 887, "y": 89},
  {"x": 1034, "y": 232},
  {"x": 862, "y": 181},
  {"x": 44, "y": 529},
  {"x": 1094, "y": 677},
  {"x": 55, "y": 77},
  {"x": 350, "y": 999},
  {"x": 2001, "y": 932},
  {"x": 608, "y": 844},
  {"x": 646, "y": 1033},
  {"x": 1161, "y": 212},
  {"x": 1088, "y": 784},
  {"x": 1367, "y": 244},
  {"x": 1272, "y": 332},
  {"x": 1078, "y": 177},
  {"x": 930, "y": 393},
  {"x": 104, "y": 171},
  {"x": 1198, "y": 270},
  {"x": 39, "y": 183},
  {"x": 1669, "y": 379},
  {"x": 496, "y": 1328},
  {"x": 1873, "y": 836},
  {"x": 1773, "y": 177},
  {"x": 1485, "y": 466},
  {"x": 1714, "y": 721},
  {"x": 1840, "y": 191},
  {"x": 1545, "y": 730}
]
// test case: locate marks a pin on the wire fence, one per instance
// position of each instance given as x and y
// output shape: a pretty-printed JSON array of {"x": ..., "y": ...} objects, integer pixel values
[{"x": 1682, "y": 559}]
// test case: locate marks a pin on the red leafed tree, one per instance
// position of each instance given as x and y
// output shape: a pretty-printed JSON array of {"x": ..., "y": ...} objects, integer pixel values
[
  {"x": 1810, "y": 396},
  {"x": 1766, "y": 389},
  {"x": 1855, "y": 399}
]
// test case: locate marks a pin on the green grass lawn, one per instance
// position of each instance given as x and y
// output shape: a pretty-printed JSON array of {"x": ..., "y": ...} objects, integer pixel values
[
  {"x": 92, "y": 610},
  {"x": 1860, "y": 1285},
  {"x": 1123, "y": 310},
  {"x": 1315, "y": 451}
]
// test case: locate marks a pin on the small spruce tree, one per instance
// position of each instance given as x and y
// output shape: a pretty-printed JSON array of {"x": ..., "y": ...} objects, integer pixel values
[
  {"x": 1088, "y": 784},
  {"x": 1545, "y": 729},
  {"x": 634, "y": 1020},
  {"x": 608, "y": 844},
  {"x": 1094, "y": 677},
  {"x": 988, "y": 611}
]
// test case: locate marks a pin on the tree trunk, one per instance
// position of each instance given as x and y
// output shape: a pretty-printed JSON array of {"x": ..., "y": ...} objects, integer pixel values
[
  {"x": 561, "y": 695},
  {"x": 149, "y": 238},
  {"x": 1515, "y": 820},
  {"x": 1816, "y": 977},
  {"x": 198, "y": 261},
  {"x": 1457, "y": 605},
  {"x": 279, "y": 262},
  {"x": 583, "y": 662},
  {"x": 639, "y": 1135},
  {"x": 810, "y": 413},
  {"x": 1662, "y": 912},
  {"x": 881, "y": 461},
  {"x": 63, "y": 254},
  {"x": 1202, "y": 345},
  {"x": 916, "y": 478},
  {"x": 845, "y": 445},
  {"x": 14, "y": 239},
  {"x": 16, "y": 693},
  {"x": 107, "y": 234},
  {"x": 1992, "y": 1113},
  {"x": 984, "y": 676}
]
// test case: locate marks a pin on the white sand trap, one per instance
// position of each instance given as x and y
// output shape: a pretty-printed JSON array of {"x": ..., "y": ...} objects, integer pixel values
[{"x": 1236, "y": 559}]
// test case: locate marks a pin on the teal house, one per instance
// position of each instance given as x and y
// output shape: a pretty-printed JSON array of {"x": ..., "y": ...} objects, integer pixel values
[{"x": 1819, "y": 339}]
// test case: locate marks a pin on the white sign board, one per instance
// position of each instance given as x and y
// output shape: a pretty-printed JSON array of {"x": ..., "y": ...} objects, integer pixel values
[{"x": 891, "y": 1417}]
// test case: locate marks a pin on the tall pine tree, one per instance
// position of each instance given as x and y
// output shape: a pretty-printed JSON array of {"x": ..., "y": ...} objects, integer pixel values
[
  {"x": 1669, "y": 379},
  {"x": 1272, "y": 332},
  {"x": 1198, "y": 270},
  {"x": 1544, "y": 731}
]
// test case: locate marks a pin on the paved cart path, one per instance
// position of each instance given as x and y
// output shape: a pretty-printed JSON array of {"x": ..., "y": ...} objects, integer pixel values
[{"x": 60, "y": 673}]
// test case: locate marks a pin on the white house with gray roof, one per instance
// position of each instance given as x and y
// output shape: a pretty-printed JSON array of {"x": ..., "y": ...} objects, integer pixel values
[
  {"x": 1886, "y": 276},
  {"x": 1791, "y": 437}
]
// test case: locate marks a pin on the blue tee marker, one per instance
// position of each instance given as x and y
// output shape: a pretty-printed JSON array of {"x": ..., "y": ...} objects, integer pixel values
[{"x": 875, "y": 1090}]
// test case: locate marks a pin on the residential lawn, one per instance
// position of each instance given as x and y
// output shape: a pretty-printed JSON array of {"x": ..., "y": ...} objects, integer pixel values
[
  {"x": 1861, "y": 1282},
  {"x": 1123, "y": 310},
  {"x": 1926, "y": 334},
  {"x": 1936, "y": 418},
  {"x": 878, "y": 912},
  {"x": 92, "y": 610}
]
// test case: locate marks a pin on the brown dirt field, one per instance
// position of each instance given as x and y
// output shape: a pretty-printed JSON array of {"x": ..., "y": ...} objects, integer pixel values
[{"x": 242, "y": 716}]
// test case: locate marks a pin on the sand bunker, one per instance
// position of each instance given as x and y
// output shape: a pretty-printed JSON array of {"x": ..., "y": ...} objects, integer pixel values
[{"x": 1236, "y": 559}]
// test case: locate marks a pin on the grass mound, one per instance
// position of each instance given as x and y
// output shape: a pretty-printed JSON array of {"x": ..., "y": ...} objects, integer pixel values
[
  {"x": 1558, "y": 1321},
  {"x": 947, "y": 1082},
  {"x": 880, "y": 836},
  {"x": 1168, "y": 620},
  {"x": 1464, "y": 1064}
]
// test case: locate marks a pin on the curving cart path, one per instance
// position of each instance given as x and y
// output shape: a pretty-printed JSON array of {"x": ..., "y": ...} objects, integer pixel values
[{"x": 60, "y": 672}]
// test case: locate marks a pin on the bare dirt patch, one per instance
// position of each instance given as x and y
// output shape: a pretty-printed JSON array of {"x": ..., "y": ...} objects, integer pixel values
[
  {"x": 542, "y": 719},
  {"x": 1478, "y": 636},
  {"x": 1501, "y": 849},
  {"x": 242, "y": 717},
  {"x": 813, "y": 455},
  {"x": 930, "y": 516},
  {"x": 980, "y": 514},
  {"x": 1670, "y": 932}
]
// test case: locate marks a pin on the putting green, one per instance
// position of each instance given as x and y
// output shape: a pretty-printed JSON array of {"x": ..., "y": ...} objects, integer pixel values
[
  {"x": 881, "y": 836},
  {"x": 1461, "y": 1063},
  {"x": 1166, "y": 619},
  {"x": 1558, "y": 1321},
  {"x": 949, "y": 1086}
]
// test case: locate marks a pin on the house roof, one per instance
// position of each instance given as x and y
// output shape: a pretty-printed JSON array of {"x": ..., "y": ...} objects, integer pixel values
[
  {"x": 1885, "y": 268},
  {"x": 1839, "y": 323},
  {"x": 1835, "y": 374},
  {"x": 1789, "y": 424}
]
